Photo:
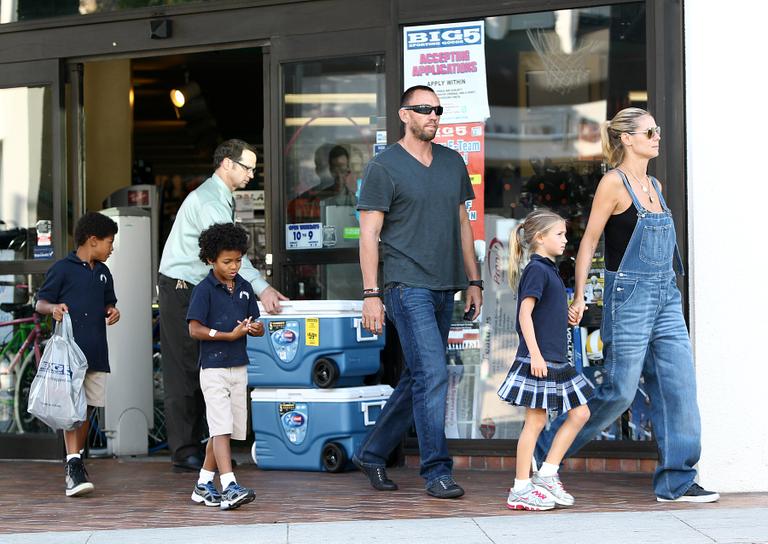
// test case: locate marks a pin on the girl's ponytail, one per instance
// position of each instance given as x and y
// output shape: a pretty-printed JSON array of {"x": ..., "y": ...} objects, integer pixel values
[
  {"x": 524, "y": 234},
  {"x": 515, "y": 254}
]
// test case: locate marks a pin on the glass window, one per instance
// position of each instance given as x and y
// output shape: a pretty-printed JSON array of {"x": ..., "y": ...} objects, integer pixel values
[
  {"x": 26, "y": 180},
  {"x": 18, "y": 366},
  {"x": 553, "y": 78},
  {"x": 334, "y": 118},
  {"x": 324, "y": 282}
]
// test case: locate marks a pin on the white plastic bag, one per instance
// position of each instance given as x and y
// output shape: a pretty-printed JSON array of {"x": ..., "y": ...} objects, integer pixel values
[{"x": 57, "y": 397}]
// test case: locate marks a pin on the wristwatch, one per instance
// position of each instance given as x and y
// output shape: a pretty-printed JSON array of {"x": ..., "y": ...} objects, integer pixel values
[{"x": 476, "y": 283}]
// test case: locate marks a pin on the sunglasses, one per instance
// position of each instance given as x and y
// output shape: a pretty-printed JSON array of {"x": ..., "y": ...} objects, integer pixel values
[
  {"x": 649, "y": 132},
  {"x": 424, "y": 109}
]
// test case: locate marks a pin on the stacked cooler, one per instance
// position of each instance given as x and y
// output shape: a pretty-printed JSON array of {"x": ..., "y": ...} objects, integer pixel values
[{"x": 310, "y": 408}]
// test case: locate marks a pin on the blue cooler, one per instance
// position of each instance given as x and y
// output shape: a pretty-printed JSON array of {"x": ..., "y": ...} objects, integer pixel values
[
  {"x": 312, "y": 429},
  {"x": 313, "y": 343}
]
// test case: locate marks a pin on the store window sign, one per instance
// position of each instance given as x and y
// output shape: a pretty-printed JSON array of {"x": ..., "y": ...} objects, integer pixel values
[
  {"x": 450, "y": 58},
  {"x": 468, "y": 139},
  {"x": 304, "y": 236}
]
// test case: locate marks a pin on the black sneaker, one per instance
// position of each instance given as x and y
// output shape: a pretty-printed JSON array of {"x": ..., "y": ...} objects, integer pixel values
[
  {"x": 77, "y": 478},
  {"x": 377, "y": 475},
  {"x": 445, "y": 488},
  {"x": 695, "y": 493},
  {"x": 234, "y": 496},
  {"x": 206, "y": 494}
]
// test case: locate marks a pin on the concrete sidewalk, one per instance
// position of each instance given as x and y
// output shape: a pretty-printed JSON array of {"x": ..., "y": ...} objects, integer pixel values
[{"x": 704, "y": 525}]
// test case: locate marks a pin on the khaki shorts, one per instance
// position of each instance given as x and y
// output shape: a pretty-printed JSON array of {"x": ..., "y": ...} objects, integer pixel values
[
  {"x": 95, "y": 385},
  {"x": 225, "y": 393}
]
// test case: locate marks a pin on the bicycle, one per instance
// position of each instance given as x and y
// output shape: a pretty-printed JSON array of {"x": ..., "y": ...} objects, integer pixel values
[{"x": 19, "y": 359}]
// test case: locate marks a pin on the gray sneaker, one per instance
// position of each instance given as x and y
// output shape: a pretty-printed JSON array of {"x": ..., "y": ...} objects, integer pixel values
[
  {"x": 530, "y": 498},
  {"x": 554, "y": 486}
]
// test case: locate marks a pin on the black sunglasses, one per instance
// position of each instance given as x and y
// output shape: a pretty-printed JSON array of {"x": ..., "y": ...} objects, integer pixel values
[
  {"x": 424, "y": 109},
  {"x": 649, "y": 132}
]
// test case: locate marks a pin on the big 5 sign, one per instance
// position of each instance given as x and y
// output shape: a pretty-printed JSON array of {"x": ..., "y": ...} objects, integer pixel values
[
  {"x": 457, "y": 36},
  {"x": 449, "y": 58}
]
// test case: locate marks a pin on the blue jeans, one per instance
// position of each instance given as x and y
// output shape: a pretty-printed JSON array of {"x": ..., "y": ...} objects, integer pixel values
[
  {"x": 644, "y": 333},
  {"x": 422, "y": 318}
]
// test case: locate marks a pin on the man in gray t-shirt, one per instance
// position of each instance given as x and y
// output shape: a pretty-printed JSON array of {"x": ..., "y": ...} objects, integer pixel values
[{"x": 412, "y": 205}]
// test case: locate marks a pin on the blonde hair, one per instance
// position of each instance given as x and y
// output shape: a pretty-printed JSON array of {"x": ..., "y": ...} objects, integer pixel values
[
  {"x": 524, "y": 237},
  {"x": 611, "y": 131}
]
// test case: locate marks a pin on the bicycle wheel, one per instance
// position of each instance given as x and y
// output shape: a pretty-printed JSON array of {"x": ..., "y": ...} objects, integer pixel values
[
  {"x": 157, "y": 435},
  {"x": 26, "y": 422}
]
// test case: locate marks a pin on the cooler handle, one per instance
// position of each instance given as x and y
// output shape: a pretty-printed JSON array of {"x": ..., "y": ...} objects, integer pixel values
[
  {"x": 364, "y": 406},
  {"x": 357, "y": 323}
]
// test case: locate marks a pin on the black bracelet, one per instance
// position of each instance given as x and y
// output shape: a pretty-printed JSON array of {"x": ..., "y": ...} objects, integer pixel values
[
  {"x": 476, "y": 283},
  {"x": 371, "y": 294}
]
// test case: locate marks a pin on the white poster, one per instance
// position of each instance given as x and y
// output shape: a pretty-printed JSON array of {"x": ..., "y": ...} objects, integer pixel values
[{"x": 450, "y": 58}]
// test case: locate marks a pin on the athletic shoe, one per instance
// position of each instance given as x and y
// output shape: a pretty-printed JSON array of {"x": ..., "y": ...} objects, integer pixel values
[
  {"x": 530, "y": 498},
  {"x": 77, "y": 478},
  {"x": 554, "y": 486},
  {"x": 695, "y": 493},
  {"x": 445, "y": 487},
  {"x": 235, "y": 496},
  {"x": 206, "y": 494}
]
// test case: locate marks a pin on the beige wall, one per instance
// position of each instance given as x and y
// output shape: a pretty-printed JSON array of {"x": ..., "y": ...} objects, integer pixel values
[{"x": 108, "y": 129}]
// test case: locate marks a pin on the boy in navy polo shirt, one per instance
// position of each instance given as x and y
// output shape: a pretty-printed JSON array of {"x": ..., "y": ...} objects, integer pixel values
[
  {"x": 222, "y": 310},
  {"x": 81, "y": 285}
]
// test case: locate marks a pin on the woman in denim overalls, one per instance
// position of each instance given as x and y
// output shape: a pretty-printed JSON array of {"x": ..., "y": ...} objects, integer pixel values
[{"x": 643, "y": 329}]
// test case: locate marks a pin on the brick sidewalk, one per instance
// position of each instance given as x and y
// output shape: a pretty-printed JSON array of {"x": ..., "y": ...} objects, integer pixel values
[{"x": 146, "y": 494}]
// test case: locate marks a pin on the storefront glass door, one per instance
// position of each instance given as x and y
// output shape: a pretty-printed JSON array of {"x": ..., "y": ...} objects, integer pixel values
[{"x": 31, "y": 235}]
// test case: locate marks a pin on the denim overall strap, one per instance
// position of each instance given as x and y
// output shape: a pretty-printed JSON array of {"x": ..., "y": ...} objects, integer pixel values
[
  {"x": 678, "y": 262},
  {"x": 640, "y": 208}
]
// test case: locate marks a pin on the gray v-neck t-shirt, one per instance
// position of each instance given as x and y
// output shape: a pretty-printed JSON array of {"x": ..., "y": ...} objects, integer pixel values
[{"x": 421, "y": 235}]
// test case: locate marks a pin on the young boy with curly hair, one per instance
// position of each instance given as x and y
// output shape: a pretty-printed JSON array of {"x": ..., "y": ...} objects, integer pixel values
[{"x": 222, "y": 310}]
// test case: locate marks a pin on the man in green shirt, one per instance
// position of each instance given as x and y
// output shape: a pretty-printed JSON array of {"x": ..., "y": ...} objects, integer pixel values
[{"x": 180, "y": 270}]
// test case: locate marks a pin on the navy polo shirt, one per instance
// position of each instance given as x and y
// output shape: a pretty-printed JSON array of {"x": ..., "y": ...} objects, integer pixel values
[
  {"x": 213, "y": 306},
  {"x": 541, "y": 280},
  {"x": 87, "y": 292}
]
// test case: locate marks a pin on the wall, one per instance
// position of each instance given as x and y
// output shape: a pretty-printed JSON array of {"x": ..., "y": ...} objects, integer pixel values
[
  {"x": 728, "y": 193},
  {"x": 108, "y": 129}
]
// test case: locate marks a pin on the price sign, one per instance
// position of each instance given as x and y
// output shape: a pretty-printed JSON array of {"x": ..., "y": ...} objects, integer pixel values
[{"x": 304, "y": 236}]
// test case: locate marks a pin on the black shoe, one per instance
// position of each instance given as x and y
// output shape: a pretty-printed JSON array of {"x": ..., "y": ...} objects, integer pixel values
[
  {"x": 695, "y": 493},
  {"x": 191, "y": 463},
  {"x": 445, "y": 488},
  {"x": 377, "y": 475},
  {"x": 77, "y": 478}
]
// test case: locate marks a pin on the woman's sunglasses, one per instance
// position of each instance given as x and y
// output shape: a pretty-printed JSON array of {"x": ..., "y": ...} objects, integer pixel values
[
  {"x": 649, "y": 132},
  {"x": 424, "y": 109}
]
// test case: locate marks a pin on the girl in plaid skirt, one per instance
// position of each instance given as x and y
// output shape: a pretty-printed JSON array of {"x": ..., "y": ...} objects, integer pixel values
[{"x": 541, "y": 379}]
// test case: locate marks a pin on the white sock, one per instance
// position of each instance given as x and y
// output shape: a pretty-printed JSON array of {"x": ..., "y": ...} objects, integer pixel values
[
  {"x": 73, "y": 456},
  {"x": 205, "y": 476},
  {"x": 520, "y": 484},
  {"x": 227, "y": 479},
  {"x": 548, "y": 469}
]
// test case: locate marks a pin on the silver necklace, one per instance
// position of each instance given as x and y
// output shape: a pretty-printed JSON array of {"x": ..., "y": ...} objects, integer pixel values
[{"x": 644, "y": 187}]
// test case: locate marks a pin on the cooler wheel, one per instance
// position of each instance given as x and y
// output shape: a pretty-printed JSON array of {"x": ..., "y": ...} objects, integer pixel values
[
  {"x": 334, "y": 457},
  {"x": 325, "y": 373},
  {"x": 253, "y": 453}
]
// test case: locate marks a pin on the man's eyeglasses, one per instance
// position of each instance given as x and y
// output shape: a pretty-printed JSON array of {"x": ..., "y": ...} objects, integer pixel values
[
  {"x": 248, "y": 169},
  {"x": 649, "y": 132},
  {"x": 424, "y": 109}
]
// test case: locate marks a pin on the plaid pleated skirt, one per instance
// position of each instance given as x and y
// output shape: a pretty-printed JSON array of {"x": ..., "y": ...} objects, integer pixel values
[{"x": 562, "y": 389}]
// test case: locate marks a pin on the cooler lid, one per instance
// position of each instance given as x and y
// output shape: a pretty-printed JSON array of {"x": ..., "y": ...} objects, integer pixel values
[
  {"x": 317, "y": 308},
  {"x": 345, "y": 394}
]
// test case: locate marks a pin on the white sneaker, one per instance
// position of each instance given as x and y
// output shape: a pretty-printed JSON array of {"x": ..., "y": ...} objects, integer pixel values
[
  {"x": 530, "y": 498},
  {"x": 554, "y": 487}
]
